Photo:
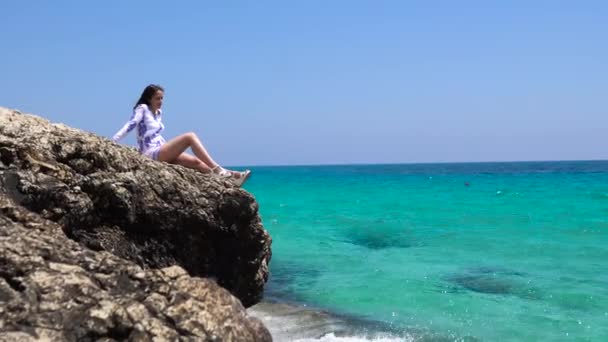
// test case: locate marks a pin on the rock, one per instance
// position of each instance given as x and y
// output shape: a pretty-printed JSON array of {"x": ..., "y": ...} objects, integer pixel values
[
  {"x": 100, "y": 243},
  {"x": 53, "y": 288},
  {"x": 109, "y": 197}
]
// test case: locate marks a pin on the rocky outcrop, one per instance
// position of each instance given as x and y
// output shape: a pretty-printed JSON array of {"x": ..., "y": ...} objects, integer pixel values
[
  {"x": 95, "y": 238},
  {"x": 109, "y": 197},
  {"x": 52, "y": 288}
]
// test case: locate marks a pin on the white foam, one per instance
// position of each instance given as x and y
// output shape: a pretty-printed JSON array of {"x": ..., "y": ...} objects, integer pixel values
[
  {"x": 333, "y": 338},
  {"x": 301, "y": 324}
]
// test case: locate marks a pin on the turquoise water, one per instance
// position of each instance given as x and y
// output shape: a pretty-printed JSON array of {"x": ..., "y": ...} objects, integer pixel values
[{"x": 485, "y": 251}]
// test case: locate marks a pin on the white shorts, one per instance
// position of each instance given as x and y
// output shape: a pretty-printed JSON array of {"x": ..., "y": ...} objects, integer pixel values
[{"x": 152, "y": 152}]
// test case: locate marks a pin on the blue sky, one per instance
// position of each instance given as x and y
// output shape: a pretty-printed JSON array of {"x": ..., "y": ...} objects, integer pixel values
[{"x": 323, "y": 82}]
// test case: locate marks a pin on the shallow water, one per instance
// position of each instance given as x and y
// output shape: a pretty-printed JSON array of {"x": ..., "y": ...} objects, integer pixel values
[{"x": 482, "y": 251}]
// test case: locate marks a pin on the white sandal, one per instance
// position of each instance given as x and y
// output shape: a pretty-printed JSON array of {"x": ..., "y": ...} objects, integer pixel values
[
  {"x": 221, "y": 172},
  {"x": 239, "y": 176}
]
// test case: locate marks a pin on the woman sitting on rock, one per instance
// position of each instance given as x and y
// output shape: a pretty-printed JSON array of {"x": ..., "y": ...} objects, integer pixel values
[{"x": 147, "y": 118}]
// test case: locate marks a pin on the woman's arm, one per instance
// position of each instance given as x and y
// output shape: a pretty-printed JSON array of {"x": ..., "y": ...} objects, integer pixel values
[{"x": 138, "y": 114}]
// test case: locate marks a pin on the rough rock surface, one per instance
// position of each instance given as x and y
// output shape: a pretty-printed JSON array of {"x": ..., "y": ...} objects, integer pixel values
[
  {"x": 109, "y": 197},
  {"x": 94, "y": 240},
  {"x": 52, "y": 288}
]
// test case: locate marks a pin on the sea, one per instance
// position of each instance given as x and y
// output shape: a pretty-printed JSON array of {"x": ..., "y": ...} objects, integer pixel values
[{"x": 513, "y": 251}]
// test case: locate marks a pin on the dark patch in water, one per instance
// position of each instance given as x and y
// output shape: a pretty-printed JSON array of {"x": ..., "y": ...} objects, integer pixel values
[
  {"x": 493, "y": 280},
  {"x": 285, "y": 275},
  {"x": 376, "y": 235},
  {"x": 374, "y": 239},
  {"x": 495, "y": 270},
  {"x": 483, "y": 283}
]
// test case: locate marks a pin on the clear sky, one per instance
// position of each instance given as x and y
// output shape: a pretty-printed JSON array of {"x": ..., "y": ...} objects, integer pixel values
[{"x": 323, "y": 82}]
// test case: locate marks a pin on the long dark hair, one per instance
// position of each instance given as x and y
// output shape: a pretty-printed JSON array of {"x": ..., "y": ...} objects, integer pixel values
[{"x": 147, "y": 94}]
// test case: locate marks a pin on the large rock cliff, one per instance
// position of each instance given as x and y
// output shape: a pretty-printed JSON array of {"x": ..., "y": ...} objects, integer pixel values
[{"x": 95, "y": 239}]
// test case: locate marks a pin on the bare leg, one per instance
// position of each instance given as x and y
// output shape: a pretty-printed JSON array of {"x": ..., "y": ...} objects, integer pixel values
[
  {"x": 173, "y": 149},
  {"x": 172, "y": 152},
  {"x": 192, "y": 162}
]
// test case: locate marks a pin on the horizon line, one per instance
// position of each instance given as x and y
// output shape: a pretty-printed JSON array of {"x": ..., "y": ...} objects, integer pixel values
[{"x": 424, "y": 163}]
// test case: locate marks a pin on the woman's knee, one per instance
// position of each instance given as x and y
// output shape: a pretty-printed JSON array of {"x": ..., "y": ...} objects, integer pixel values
[{"x": 191, "y": 136}]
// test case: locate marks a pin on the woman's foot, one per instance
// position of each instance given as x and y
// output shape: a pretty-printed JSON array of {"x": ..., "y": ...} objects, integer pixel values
[
  {"x": 239, "y": 177},
  {"x": 221, "y": 172}
]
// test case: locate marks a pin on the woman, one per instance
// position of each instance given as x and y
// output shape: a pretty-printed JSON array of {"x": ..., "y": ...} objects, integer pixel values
[{"x": 147, "y": 118}]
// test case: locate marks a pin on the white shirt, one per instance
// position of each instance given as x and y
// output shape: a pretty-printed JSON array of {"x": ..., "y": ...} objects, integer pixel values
[{"x": 149, "y": 127}]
